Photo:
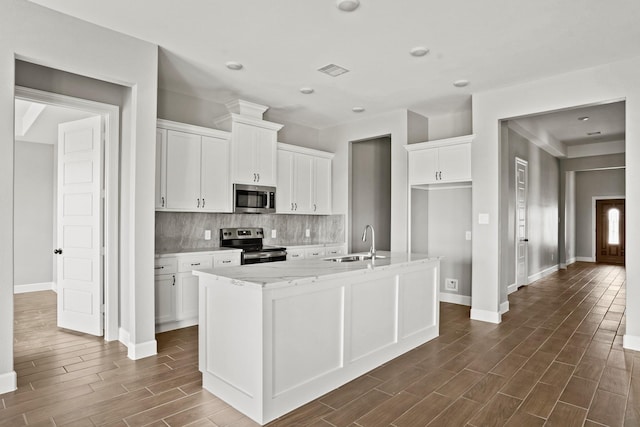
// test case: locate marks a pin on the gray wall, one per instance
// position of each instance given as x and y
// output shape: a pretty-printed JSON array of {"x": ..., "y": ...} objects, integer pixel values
[
  {"x": 176, "y": 231},
  {"x": 543, "y": 202},
  {"x": 570, "y": 217},
  {"x": 33, "y": 207},
  {"x": 589, "y": 184},
  {"x": 371, "y": 193}
]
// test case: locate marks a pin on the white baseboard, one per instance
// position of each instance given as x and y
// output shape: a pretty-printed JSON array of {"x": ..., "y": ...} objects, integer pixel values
[
  {"x": 512, "y": 288},
  {"x": 631, "y": 342},
  {"x": 123, "y": 337},
  {"x": 455, "y": 298},
  {"x": 486, "y": 316},
  {"x": 542, "y": 274},
  {"x": 34, "y": 287},
  {"x": 170, "y": 326},
  {"x": 142, "y": 350},
  {"x": 504, "y": 307},
  {"x": 585, "y": 259},
  {"x": 8, "y": 382},
  {"x": 571, "y": 261}
]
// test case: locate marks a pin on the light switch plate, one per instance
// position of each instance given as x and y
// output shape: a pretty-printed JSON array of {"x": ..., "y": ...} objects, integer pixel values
[
  {"x": 467, "y": 235},
  {"x": 483, "y": 218},
  {"x": 207, "y": 234}
]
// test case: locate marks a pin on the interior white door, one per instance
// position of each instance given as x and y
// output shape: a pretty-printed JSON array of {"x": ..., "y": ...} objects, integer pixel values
[
  {"x": 521, "y": 223},
  {"x": 79, "y": 228}
]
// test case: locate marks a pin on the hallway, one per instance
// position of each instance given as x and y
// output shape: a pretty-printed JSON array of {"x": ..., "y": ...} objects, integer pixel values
[{"x": 556, "y": 359}]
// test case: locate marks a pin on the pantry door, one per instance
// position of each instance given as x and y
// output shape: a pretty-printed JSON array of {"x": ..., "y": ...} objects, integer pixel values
[
  {"x": 79, "y": 226},
  {"x": 521, "y": 232}
]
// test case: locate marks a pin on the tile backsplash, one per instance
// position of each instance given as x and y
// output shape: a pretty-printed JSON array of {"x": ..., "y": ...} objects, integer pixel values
[{"x": 185, "y": 230}]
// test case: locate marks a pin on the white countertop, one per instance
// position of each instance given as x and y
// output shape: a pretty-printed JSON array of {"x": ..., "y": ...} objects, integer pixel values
[
  {"x": 194, "y": 251},
  {"x": 289, "y": 273}
]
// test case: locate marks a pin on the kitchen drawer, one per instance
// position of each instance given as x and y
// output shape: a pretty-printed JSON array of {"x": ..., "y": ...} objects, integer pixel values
[
  {"x": 165, "y": 265},
  {"x": 226, "y": 260},
  {"x": 294, "y": 254},
  {"x": 187, "y": 264},
  {"x": 314, "y": 253}
]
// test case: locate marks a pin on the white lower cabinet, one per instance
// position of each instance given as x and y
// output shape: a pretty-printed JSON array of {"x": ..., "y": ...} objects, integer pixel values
[
  {"x": 315, "y": 251},
  {"x": 176, "y": 299}
]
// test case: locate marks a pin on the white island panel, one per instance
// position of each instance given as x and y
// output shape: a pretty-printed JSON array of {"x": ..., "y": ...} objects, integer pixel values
[{"x": 274, "y": 337}]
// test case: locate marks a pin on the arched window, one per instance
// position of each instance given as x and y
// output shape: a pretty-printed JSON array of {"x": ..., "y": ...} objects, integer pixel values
[{"x": 613, "y": 216}]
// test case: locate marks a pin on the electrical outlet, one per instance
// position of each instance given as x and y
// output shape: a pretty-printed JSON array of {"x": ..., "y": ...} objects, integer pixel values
[
  {"x": 273, "y": 234},
  {"x": 467, "y": 235},
  {"x": 451, "y": 285},
  {"x": 207, "y": 234},
  {"x": 307, "y": 233}
]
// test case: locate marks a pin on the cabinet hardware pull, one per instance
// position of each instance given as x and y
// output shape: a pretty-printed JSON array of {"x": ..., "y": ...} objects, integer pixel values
[
  {"x": 292, "y": 206},
  {"x": 255, "y": 177},
  {"x": 226, "y": 261},
  {"x": 203, "y": 203},
  {"x": 436, "y": 175},
  {"x": 195, "y": 263},
  {"x": 58, "y": 251},
  {"x": 198, "y": 202},
  {"x": 159, "y": 268},
  {"x": 440, "y": 175},
  {"x": 258, "y": 177},
  {"x": 296, "y": 206},
  {"x": 174, "y": 280},
  {"x": 163, "y": 201},
  {"x": 314, "y": 207}
]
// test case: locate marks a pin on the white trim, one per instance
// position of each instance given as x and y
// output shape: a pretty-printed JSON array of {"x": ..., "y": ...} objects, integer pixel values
[
  {"x": 447, "y": 186},
  {"x": 34, "y": 287},
  {"x": 8, "y": 382},
  {"x": 504, "y": 307},
  {"x": 464, "y": 139},
  {"x": 593, "y": 222},
  {"x": 512, "y": 288},
  {"x": 123, "y": 337},
  {"x": 585, "y": 259},
  {"x": 187, "y": 128},
  {"x": 142, "y": 350},
  {"x": 179, "y": 324},
  {"x": 541, "y": 274},
  {"x": 631, "y": 342},
  {"x": 455, "y": 298},
  {"x": 486, "y": 316},
  {"x": 304, "y": 150},
  {"x": 111, "y": 116}
]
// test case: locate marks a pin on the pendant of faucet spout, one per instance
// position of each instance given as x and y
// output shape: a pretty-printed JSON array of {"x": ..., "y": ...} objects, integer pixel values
[{"x": 372, "y": 250}]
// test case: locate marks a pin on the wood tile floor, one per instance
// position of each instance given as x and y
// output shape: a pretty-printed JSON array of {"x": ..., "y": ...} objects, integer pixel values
[{"x": 555, "y": 360}]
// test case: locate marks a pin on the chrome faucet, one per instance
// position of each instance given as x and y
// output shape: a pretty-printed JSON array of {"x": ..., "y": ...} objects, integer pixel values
[{"x": 372, "y": 251}]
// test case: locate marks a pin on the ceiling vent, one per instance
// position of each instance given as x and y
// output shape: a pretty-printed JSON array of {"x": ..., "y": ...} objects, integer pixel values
[{"x": 333, "y": 70}]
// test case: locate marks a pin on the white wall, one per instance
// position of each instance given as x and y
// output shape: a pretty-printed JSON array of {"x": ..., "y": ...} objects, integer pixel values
[
  {"x": 33, "y": 204},
  {"x": 615, "y": 81},
  {"x": 590, "y": 184},
  {"x": 336, "y": 139},
  {"x": 58, "y": 41},
  {"x": 570, "y": 218},
  {"x": 449, "y": 125}
]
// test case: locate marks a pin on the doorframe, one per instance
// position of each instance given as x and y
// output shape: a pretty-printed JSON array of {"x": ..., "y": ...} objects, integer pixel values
[
  {"x": 593, "y": 221},
  {"x": 522, "y": 161},
  {"x": 111, "y": 116}
]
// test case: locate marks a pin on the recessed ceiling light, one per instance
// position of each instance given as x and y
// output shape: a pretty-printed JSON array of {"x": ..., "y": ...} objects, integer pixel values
[
  {"x": 348, "y": 5},
  {"x": 306, "y": 90},
  {"x": 594, "y": 133},
  {"x": 232, "y": 65},
  {"x": 419, "y": 51},
  {"x": 583, "y": 118},
  {"x": 461, "y": 83},
  {"x": 357, "y": 109}
]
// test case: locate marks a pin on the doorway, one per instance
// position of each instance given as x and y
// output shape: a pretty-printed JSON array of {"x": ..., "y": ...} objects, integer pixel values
[
  {"x": 103, "y": 169},
  {"x": 610, "y": 231},
  {"x": 521, "y": 232},
  {"x": 370, "y": 193}
]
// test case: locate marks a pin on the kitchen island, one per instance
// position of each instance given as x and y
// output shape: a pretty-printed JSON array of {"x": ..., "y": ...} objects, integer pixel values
[{"x": 275, "y": 336}]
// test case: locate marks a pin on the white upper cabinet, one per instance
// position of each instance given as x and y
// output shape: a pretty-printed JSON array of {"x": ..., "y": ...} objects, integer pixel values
[
  {"x": 304, "y": 180},
  {"x": 253, "y": 149},
  {"x": 440, "y": 162},
  {"x": 195, "y": 169}
]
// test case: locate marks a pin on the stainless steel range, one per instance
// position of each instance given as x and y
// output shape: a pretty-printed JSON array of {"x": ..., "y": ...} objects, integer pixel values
[{"x": 250, "y": 241}]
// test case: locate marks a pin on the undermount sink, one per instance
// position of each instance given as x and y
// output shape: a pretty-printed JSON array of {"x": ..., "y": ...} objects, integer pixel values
[{"x": 354, "y": 257}]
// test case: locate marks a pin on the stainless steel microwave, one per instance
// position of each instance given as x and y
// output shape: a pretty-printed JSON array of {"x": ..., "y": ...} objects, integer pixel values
[{"x": 254, "y": 199}]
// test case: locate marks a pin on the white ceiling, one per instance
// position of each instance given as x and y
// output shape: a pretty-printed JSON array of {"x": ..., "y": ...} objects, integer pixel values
[
  {"x": 282, "y": 43},
  {"x": 44, "y": 129}
]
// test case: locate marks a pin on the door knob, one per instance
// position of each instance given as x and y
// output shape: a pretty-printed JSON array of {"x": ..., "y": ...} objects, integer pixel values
[{"x": 57, "y": 251}]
